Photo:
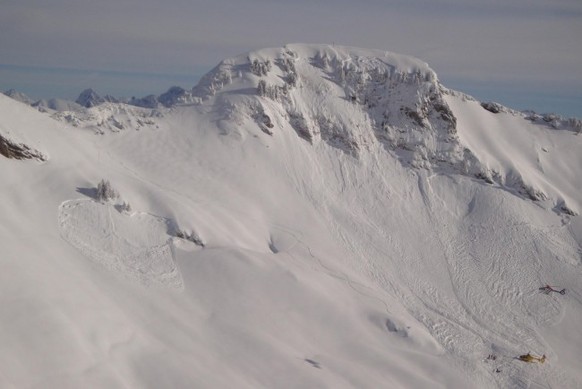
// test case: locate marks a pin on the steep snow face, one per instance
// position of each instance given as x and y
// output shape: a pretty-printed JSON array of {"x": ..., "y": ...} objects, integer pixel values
[
  {"x": 103, "y": 297},
  {"x": 355, "y": 100},
  {"x": 523, "y": 154},
  {"x": 348, "y": 98}
]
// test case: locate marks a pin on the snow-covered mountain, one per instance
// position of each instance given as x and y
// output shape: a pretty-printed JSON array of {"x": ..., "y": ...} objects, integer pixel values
[
  {"x": 19, "y": 96},
  {"x": 306, "y": 216},
  {"x": 89, "y": 98},
  {"x": 173, "y": 96},
  {"x": 58, "y": 105}
]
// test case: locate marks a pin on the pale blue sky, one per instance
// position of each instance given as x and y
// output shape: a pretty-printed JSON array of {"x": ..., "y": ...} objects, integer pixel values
[{"x": 522, "y": 53}]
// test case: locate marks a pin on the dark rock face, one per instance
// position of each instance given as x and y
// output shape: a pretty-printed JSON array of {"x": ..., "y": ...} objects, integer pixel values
[
  {"x": 150, "y": 101},
  {"x": 492, "y": 107},
  {"x": 89, "y": 98},
  {"x": 175, "y": 95},
  {"x": 14, "y": 150}
]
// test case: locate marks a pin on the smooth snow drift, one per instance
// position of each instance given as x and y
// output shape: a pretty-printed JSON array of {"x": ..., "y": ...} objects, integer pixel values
[{"x": 306, "y": 216}]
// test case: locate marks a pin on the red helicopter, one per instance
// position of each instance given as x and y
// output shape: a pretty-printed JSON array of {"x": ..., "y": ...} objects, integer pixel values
[{"x": 548, "y": 289}]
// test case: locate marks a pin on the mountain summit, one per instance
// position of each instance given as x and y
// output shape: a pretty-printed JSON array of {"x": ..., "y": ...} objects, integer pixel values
[
  {"x": 359, "y": 100},
  {"x": 348, "y": 98},
  {"x": 89, "y": 98}
]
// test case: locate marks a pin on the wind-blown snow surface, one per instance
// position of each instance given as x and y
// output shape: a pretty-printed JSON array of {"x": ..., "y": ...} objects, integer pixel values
[{"x": 362, "y": 227}]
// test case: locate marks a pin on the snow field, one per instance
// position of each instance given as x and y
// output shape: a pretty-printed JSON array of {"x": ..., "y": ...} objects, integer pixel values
[{"x": 321, "y": 267}]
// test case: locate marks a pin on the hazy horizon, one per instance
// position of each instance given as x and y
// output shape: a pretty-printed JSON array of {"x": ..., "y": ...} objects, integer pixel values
[{"x": 520, "y": 54}]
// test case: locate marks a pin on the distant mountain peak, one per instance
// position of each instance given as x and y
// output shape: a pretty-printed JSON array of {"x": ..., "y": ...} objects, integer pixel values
[
  {"x": 89, "y": 98},
  {"x": 175, "y": 95},
  {"x": 19, "y": 96}
]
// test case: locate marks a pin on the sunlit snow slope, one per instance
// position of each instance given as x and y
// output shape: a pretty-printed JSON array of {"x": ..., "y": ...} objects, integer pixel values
[{"x": 314, "y": 216}]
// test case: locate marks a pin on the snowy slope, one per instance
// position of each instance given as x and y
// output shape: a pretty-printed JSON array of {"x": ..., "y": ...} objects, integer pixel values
[{"x": 354, "y": 224}]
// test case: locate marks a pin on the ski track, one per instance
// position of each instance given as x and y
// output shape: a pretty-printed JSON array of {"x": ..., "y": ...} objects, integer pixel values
[
  {"x": 361, "y": 289},
  {"x": 423, "y": 301},
  {"x": 135, "y": 246},
  {"x": 480, "y": 303},
  {"x": 467, "y": 322}
]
